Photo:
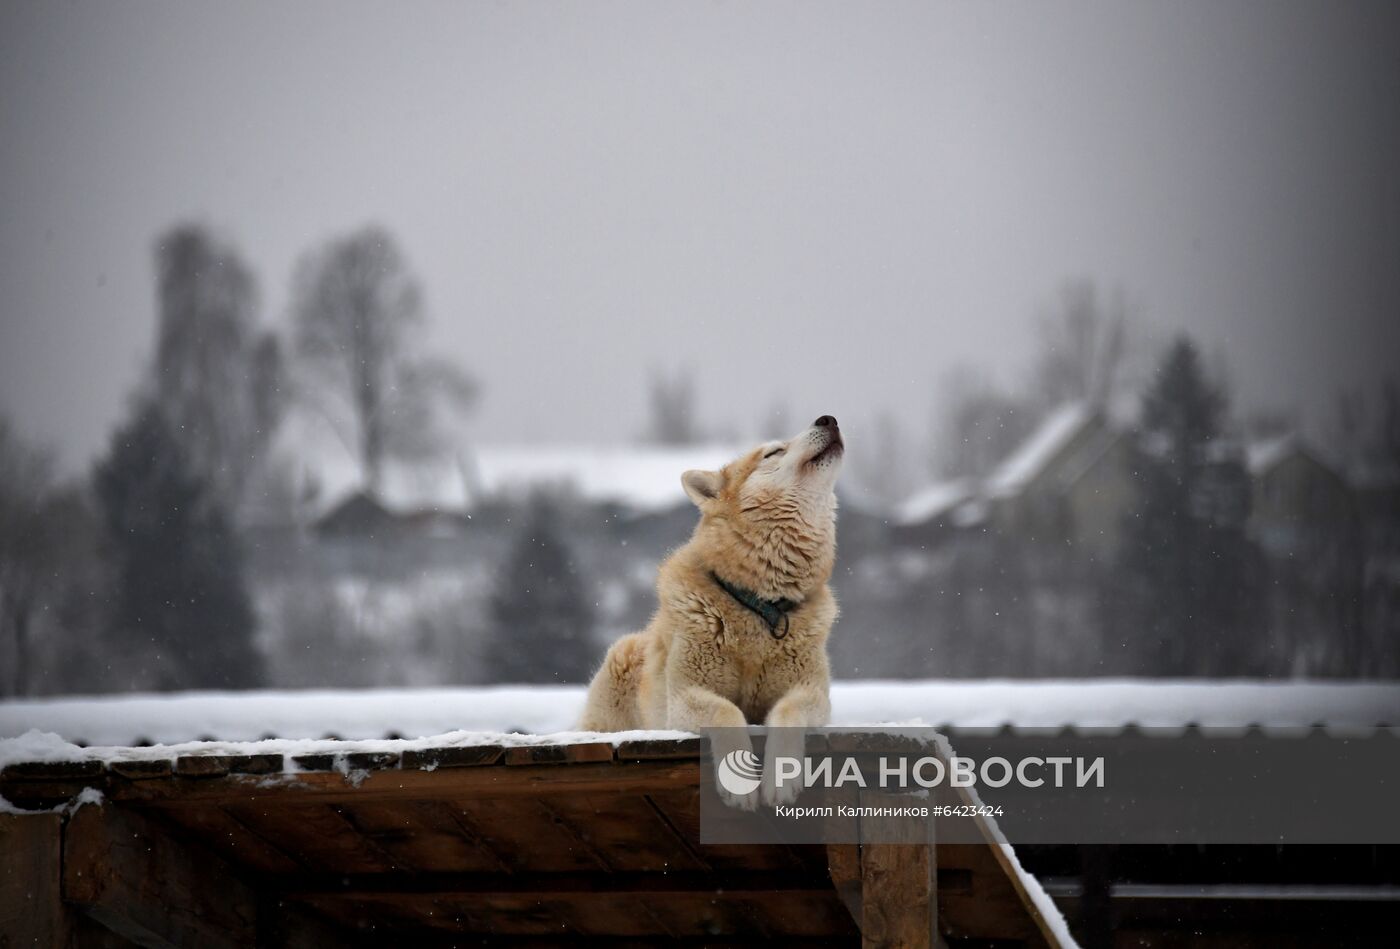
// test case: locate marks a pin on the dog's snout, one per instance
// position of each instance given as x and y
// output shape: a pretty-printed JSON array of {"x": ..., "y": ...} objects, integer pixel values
[{"x": 826, "y": 421}]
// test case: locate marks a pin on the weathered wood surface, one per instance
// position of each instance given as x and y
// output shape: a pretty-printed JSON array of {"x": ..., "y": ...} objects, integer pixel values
[
  {"x": 126, "y": 872},
  {"x": 985, "y": 901},
  {"x": 520, "y": 843},
  {"x": 633, "y": 777},
  {"x": 899, "y": 896},
  {"x": 31, "y": 911}
]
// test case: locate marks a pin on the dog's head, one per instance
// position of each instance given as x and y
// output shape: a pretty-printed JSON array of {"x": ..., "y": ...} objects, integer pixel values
[{"x": 779, "y": 496}]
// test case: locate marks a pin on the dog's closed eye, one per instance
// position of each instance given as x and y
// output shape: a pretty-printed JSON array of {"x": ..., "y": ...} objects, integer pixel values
[{"x": 775, "y": 451}]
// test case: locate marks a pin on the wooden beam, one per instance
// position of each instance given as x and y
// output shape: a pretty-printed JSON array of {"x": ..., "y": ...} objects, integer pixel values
[
  {"x": 843, "y": 865},
  {"x": 127, "y": 872},
  {"x": 899, "y": 895},
  {"x": 736, "y": 883},
  {"x": 31, "y": 901},
  {"x": 627, "y": 777},
  {"x": 437, "y": 939}
]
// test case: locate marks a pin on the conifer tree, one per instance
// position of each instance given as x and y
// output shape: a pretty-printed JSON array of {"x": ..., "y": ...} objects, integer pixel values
[
  {"x": 179, "y": 590},
  {"x": 1191, "y": 573},
  {"x": 542, "y": 615}
]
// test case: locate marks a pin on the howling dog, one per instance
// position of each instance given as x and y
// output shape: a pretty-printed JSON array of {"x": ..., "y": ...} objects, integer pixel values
[{"x": 744, "y": 610}]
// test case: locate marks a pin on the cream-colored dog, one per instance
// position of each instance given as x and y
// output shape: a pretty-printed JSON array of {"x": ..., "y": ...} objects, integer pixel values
[{"x": 739, "y": 635}]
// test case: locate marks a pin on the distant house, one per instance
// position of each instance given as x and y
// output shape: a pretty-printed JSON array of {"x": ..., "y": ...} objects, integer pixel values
[
  {"x": 933, "y": 514},
  {"x": 358, "y": 515},
  {"x": 1299, "y": 503},
  {"x": 1070, "y": 482}
]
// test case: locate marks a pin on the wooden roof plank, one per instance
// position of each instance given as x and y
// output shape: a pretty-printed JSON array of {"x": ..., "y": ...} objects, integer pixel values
[
  {"x": 142, "y": 769},
  {"x": 465, "y": 756},
  {"x": 656, "y": 749},
  {"x": 52, "y": 770},
  {"x": 256, "y": 764},
  {"x": 635, "y": 777},
  {"x": 202, "y": 766},
  {"x": 595, "y": 751}
]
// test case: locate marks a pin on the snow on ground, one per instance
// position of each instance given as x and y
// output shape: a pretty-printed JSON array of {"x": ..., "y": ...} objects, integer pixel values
[{"x": 546, "y": 710}]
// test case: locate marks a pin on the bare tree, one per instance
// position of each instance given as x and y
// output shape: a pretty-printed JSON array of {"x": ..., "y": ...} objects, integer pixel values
[
  {"x": 1083, "y": 345},
  {"x": 673, "y": 414},
  {"x": 1364, "y": 431},
  {"x": 881, "y": 467},
  {"x": 357, "y": 308},
  {"x": 218, "y": 381},
  {"x": 977, "y": 425}
]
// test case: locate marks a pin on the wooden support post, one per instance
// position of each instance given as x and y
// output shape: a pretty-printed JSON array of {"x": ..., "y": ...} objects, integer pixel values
[
  {"x": 843, "y": 865},
  {"x": 31, "y": 902},
  {"x": 128, "y": 873},
  {"x": 899, "y": 893}
]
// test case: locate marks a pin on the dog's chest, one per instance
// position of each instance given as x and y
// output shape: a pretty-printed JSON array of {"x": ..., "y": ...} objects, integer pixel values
[{"x": 760, "y": 669}]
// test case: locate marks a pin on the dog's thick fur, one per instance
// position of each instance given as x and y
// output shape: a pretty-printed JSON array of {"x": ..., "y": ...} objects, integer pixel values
[{"x": 767, "y": 525}]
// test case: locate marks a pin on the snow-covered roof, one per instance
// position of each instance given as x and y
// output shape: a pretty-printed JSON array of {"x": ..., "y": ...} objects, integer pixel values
[
  {"x": 122, "y": 720},
  {"x": 642, "y": 477},
  {"x": 933, "y": 501},
  {"x": 1030, "y": 459},
  {"x": 1262, "y": 455}
]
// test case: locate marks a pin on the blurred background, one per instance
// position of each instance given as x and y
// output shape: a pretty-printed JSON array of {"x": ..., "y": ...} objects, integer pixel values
[{"x": 351, "y": 344}]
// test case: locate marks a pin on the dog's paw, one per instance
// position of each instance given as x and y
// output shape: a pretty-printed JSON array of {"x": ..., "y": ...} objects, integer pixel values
[
  {"x": 775, "y": 794},
  {"x": 742, "y": 802}
]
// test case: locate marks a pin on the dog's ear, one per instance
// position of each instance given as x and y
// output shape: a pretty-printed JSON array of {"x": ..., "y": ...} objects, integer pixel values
[{"x": 701, "y": 486}]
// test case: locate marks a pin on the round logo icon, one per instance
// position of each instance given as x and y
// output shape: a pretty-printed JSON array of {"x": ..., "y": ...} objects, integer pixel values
[{"x": 739, "y": 772}]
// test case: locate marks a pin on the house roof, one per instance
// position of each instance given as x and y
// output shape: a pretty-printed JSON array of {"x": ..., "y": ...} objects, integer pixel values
[
  {"x": 1261, "y": 456},
  {"x": 934, "y": 501},
  {"x": 1038, "y": 451},
  {"x": 357, "y": 513}
]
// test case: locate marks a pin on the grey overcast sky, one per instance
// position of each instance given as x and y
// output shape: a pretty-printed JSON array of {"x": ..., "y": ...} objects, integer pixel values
[{"x": 826, "y": 204}]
